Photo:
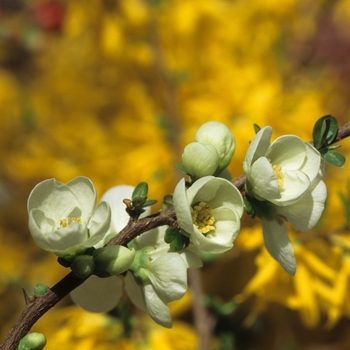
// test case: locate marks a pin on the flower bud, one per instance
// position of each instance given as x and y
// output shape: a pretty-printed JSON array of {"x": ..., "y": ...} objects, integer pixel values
[
  {"x": 218, "y": 135},
  {"x": 114, "y": 259},
  {"x": 83, "y": 266},
  {"x": 40, "y": 289},
  {"x": 200, "y": 160},
  {"x": 32, "y": 341}
]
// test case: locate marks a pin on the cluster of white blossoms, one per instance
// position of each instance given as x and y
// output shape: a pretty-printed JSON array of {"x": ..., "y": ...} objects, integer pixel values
[{"x": 283, "y": 183}]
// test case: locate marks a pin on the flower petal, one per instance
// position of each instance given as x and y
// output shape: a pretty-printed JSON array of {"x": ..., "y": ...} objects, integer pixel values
[
  {"x": 287, "y": 151},
  {"x": 278, "y": 244},
  {"x": 264, "y": 180},
  {"x": 156, "y": 307},
  {"x": 134, "y": 291},
  {"x": 182, "y": 207},
  {"x": 54, "y": 198},
  {"x": 98, "y": 294},
  {"x": 84, "y": 190},
  {"x": 227, "y": 224},
  {"x": 168, "y": 275},
  {"x": 99, "y": 224},
  {"x": 312, "y": 162},
  {"x": 306, "y": 212},
  {"x": 257, "y": 147}
]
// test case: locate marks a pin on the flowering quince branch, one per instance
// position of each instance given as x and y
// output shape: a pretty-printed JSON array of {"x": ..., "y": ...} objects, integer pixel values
[{"x": 101, "y": 243}]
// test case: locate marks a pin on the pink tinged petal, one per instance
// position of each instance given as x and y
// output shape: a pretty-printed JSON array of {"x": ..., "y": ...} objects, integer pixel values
[
  {"x": 182, "y": 208},
  {"x": 312, "y": 162},
  {"x": 288, "y": 151},
  {"x": 306, "y": 212},
  {"x": 278, "y": 244},
  {"x": 295, "y": 184},
  {"x": 99, "y": 224},
  {"x": 263, "y": 180},
  {"x": 257, "y": 147},
  {"x": 227, "y": 226},
  {"x": 98, "y": 294},
  {"x": 84, "y": 190},
  {"x": 168, "y": 275},
  {"x": 134, "y": 291},
  {"x": 54, "y": 198},
  {"x": 156, "y": 307}
]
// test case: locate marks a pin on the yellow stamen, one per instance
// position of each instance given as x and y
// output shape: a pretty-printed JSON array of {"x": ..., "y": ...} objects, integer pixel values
[
  {"x": 201, "y": 215},
  {"x": 65, "y": 222},
  {"x": 278, "y": 171}
]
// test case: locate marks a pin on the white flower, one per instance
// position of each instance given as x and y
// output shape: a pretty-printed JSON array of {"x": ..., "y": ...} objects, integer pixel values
[
  {"x": 303, "y": 215},
  {"x": 200, "y": 160},
  {"x": 164, "y": 272},
  {"x": 209, "y": 212},
  {"x": 283, "y": 171},
  {"x": 218, "y": 135},
  {"x": 64, "y": 218},
  {"x": 159, "y": 276},
  {"x": 284, "y": 184}
]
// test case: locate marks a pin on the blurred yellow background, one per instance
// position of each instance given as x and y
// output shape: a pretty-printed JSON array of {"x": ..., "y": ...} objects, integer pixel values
[{"x": 114, "y": 89}]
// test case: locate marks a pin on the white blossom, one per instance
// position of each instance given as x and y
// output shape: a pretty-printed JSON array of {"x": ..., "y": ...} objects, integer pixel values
[{"x": 209, "y": 212}]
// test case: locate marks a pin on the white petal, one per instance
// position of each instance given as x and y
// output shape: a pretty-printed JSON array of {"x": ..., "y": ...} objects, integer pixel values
[
  {"x": 114, "y": 197},
  {"x": 156, "y": 307},
  {"x": 134, "y": 291},
  {"x": 99, "y": 224},
  {"x": 278, "y": 244},
  {"x": 204, "y": 189},
  {"x": 98, "y": 294},
  {"x": 296, "y": 183},
  {"x": 312, "y": 162},
  {"x": 190, "y": 257},
  {"x": 182, "y": 207},
  {"x": 168, "y": 275},
  {"x": 257, "y": 147},
  {"x": 264, "y": 180},
  {"x": 225, "y": 195},
  {"x": 54, "y": 198},
  {"x": 288, "y": 151},
  {"x": 84, "y": 190},
  {"x": 59, "y": 239},
  {"x": 227, "y": 227},
  {"x": 306, "y": 212}
]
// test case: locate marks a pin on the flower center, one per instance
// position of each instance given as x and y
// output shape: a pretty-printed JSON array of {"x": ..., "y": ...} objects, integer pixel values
[
  {"x": 201, "y": 215},
  {"x": 278, "y": 171},
  {"x": 67, "y": 222}
]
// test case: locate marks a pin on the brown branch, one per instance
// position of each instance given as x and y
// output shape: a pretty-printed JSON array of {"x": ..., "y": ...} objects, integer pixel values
[{"x": 34, "y": 310}]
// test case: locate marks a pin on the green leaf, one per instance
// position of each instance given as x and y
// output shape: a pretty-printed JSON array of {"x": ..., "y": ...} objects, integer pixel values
[
  {"x": 177, "y": 244},
  {"x": 139, "y": 196},
  {"x": 171, "y": 234},
  {"x": 256, "y": 128},
  {"x": 182, "y": 168},
  {"x": 334, "y": 158},
  {"x": 325, "y": 131},
  {"x": 149, "y": 202}
]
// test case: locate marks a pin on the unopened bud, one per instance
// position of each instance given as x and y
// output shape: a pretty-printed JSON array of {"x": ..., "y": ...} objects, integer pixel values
[
  {"x": 32, "y": 341},
  {"x": 218, "y": 135},
  {"x": 113, "y": 259},
  {"x": 83, "y": 266}
]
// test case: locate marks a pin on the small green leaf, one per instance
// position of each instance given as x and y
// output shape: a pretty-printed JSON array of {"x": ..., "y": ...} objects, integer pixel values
[
  {"x": 171, "y": 234},
  {"x": 256, "y": 128},
  {"x": 182, "y": 168},
  {"x": 249, "y": 208},
  {"x": 325, "y": 131},
  {"x": 149, "y": 202},
  {"x": 334, "y": 158},
  {"x": 177, "y": 244},
  {"x": 167, "y": 201},
  {"x": 139, "y": 196}
]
